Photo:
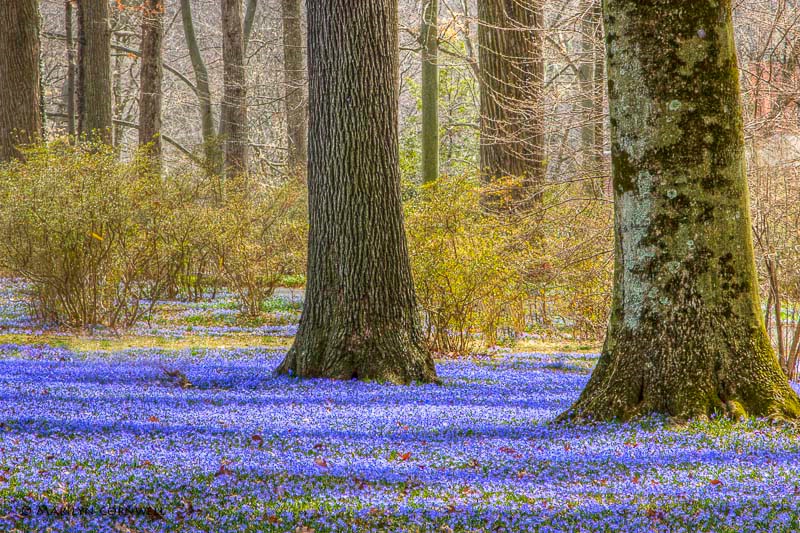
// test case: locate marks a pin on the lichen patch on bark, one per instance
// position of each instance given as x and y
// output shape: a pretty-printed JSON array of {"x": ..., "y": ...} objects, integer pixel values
[{"x": 685, "y": 337}]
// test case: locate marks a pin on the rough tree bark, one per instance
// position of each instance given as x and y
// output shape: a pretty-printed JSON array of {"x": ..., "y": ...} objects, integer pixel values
[
  {"x": 213, "y": 159},
  {"x": 20, "y": 113},
  {"x": 233, "y": 115},
  {"x": 294, "y": 81},
  {"x": 95, "y": 117},
  {"x": 512, "y": 84},
  {"x": 429, "y": 39},
  {"x": 151, "y": 75},
  {"x": 686, "y": 337},
  {"x": 360, "y": 318}
]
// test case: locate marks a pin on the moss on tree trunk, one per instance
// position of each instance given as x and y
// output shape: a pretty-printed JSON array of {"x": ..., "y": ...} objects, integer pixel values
[
  {"x": 360, "y": 318},
  {"x": 686, "y": 337},
  {"x": 213, "y": 157}
]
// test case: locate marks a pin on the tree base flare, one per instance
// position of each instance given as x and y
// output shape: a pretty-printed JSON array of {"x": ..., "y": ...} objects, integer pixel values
[
  {"x": 390, "y": 359},
  {"x": 689, "y": 374}
]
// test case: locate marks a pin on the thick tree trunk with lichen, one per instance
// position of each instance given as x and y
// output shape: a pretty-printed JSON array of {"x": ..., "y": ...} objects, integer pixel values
[
  {"x": 510, "y": 39},
  {"x": 94, "y": 95},
  {"x": 20, "y": 114},
  {"x": 360, "y": 317},
  {"x": 686, "y": 336}
]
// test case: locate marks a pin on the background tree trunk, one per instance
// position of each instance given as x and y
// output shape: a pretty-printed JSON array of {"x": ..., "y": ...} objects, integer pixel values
[
  {"x": 233, "y": 117},
  {"x": 20, "y": 112},
  {"x": 294, "y": 67},
  {"x": 119, "y": 18},
  {"x": 360, "y": 317},
  {"x": 213, "y": 159},
  {"x": 95, "y": 117},
  {"x": 70, "y": 96},
  {"x": 249, "y": 19},
  {"x": 591, "y": 79},
  {"x": 686, "y": 337},
  {"x": 511, "y": 60},
  {"x": 429, "y": 38},
  {"x": 151, "y": 75}
]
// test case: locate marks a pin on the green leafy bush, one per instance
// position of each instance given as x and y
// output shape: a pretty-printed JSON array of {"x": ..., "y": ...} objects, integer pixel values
[{"x": 571, "y": 276}]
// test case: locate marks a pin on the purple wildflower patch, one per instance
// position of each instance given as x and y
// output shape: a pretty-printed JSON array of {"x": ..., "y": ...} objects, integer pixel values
[{"x": 196, "y": 440}]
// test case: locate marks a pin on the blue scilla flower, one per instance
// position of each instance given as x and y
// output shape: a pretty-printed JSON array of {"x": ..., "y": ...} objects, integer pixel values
[{"x": 113, "y": 438}]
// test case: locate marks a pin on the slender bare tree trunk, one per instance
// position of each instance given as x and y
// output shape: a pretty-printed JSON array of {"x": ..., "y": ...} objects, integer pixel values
[
  {"x": 294, "y": 68},
  {"x": 95, "y": 116},
  {"x": 686, "y": 336},
  {"x": 233, "y": 117},
  {"x": 591, "y": 80},
  {"x": 249, "y": 19},
  {"x": 70, "y": 96},
  {"x": 794, "y": 353},
  {"x": 151, "y": 75},
  {"x": 20, "y": 112},
  {"x": 429, "y": 38},
  {"x": 360, "y": 317},
  {"x": 777, "y": 309},
  {"x": 511, "y": 59},
  {"x": 213, "y": 159}
]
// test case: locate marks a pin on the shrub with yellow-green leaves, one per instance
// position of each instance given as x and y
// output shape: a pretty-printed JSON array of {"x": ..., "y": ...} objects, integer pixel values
[
  {"x": 100, "y": 240},
  {"x": 85, "y": 230},
  {"x": 487, "y": 276},
  {"x": 259, "y": 236},
  {"x": 574, "y": 284},
  {"x": 464, "y": 279}
]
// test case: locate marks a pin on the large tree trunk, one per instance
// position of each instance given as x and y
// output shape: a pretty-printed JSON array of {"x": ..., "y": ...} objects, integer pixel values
[
  {"x": 360, "y": 318},
  {"x": 151, "y": 75},
  {"x": 511, "y": 59},
  {"x": 429, "y": 39},
  {"x": 20, "y": 113},
  {"x": 294, "y": 81},
  {"x": 233, "y": 116},
  {"x": 213, "y": 159},
  {"x": 95, "y": 117},
  {"x": 686, "y": 337}
]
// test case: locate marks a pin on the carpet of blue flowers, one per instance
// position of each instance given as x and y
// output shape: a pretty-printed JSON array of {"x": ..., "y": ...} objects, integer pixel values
[{"x": 146, "y": 440}]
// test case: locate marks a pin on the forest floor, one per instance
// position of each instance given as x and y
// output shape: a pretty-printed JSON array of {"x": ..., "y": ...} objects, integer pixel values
[{"x": 181, "y": 426}]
